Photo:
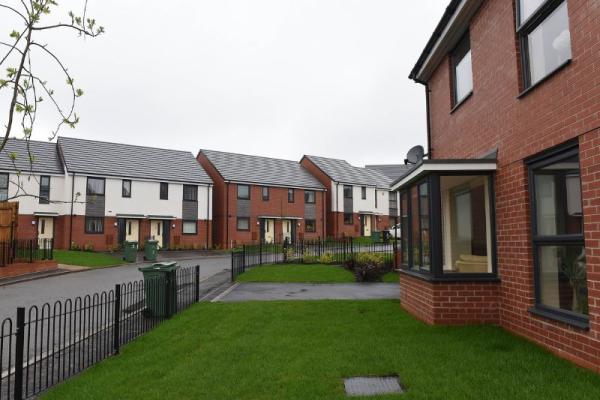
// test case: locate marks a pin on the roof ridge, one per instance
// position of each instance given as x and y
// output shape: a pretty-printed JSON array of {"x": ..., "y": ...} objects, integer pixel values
[
  {"x": 125, "y": 144},
  {"x": 249, "y": 155}
]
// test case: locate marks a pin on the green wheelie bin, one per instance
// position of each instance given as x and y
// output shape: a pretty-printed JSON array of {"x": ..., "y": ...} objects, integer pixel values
[
  {"x": 130, "y": 250},
  {"x": 160, "y": 288},
  {"x": 150, "y": 250}
]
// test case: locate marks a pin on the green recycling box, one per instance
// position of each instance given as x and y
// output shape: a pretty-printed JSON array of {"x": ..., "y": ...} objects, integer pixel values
[
  {"x": 160, "y": 287},
  {"x": 376, "y": 236},
  {"x": 130, "y": 251},
  {"x": 150, "y": 250}
]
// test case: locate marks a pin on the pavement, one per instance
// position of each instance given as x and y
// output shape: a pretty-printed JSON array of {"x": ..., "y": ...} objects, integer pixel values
[
  {"x": 68, "y": 286},
  {"x": 308, "y": 291}
]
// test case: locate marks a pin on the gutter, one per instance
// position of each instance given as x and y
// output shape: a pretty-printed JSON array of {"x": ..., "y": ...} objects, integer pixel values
[
  {"x": 71, "y": 217},
  {"x": 428, "y": 116},
  {"x": 208, "y": 219}
]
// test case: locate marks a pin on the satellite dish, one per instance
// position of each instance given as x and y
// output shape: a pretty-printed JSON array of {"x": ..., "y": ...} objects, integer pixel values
[{"x": 414, "y": 155}]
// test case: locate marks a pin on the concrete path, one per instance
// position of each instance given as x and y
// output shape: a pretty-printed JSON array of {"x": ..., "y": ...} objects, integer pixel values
[
  {"x": 309, "y": 291},
  {"x": 50, "y": 289}
]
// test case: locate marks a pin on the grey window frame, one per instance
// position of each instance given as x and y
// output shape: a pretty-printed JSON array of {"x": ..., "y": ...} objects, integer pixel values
[
  {"x": 268, "y": 193},
  {"x": 363, "y": 192},
  {"x": 94, "y": 232},
  {"x": 351, "y": 222},
  {"x": 190, "y": 189},
  {"x": 527, "y": 27},
  {"x": 459, "y": 52},
  {"x": 2, "y": 189},
  {"x": 237, "y": 224},
  {"x": 314, "y": 228},
  {"x": 349, "y": 189},
  {"x": 164, "y": 191},
  {"x": 238, "y": 192},
  {"x": 123, "y": 194},
  {"x": 291, "y": 195},
  {"x": 87, "y": 187},
  {"x": 44, "y": 197},
  {"x": 195, "y": 222},
  {"x": 535, "y": 163},
  {"x": 307, "y": 194}
]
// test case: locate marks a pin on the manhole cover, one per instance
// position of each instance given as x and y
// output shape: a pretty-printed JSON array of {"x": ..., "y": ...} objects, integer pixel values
[{"x": 371, "y": 386}]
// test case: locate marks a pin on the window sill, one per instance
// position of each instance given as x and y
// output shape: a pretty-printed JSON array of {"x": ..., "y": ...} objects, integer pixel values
[
  {"x": 460, "y": 103},
  {"x": 451, "y": 278},
  {"x": 544, "y": 79},
  {"x": 581, "y": 322}
]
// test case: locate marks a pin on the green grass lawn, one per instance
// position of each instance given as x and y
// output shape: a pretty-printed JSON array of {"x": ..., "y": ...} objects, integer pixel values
[
  {"x": 310, "y": 273},
  {"x": 303, "y": 349},
  {"x": 86, "y": 258},
  {"x": 391, "y": 277}
]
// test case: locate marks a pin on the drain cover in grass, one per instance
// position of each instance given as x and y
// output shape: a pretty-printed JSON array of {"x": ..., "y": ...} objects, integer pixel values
[{"x": 371, "y": 386}]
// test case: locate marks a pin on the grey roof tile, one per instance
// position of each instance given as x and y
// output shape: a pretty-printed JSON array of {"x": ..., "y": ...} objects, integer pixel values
[
  {"x": 45, "y": 157},
  {"x": 261, "y": 170},
  {"x": 124, "y": 160},
  {"x": 343, "y": 172},
  {"x": 392, "y": 171}
]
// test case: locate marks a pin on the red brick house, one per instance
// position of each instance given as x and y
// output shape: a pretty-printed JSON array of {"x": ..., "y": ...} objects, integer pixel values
[
  {"x": 358, "y": 200},
  {"x": 259, "y": 198},
  {"x": 503, "y": 219}
]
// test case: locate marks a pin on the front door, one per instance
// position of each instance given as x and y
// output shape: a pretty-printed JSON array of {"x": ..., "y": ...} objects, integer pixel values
[
  {"x": 156, "y": 232},
  {"x": 365, "y": 225},
  {"x": 132, "y": 230},
  {"x": 268, "y": 230},
  {"x": 45, "y": 229},
  {"x": 289, "y": 230}
]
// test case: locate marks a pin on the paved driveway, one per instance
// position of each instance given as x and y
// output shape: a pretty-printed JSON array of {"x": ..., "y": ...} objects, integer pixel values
[
  {"x": 71, "y": 285},
  {"x": 307, "y": 291}
]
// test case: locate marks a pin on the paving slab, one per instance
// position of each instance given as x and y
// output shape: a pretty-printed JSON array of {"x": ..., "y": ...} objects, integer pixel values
[{"x": 312, "y": 291}]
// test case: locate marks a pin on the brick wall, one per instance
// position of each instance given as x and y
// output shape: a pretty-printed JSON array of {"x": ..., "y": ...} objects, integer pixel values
[
  {"x": 451, "y": 303},
  {"x": 564, "y": 107}
]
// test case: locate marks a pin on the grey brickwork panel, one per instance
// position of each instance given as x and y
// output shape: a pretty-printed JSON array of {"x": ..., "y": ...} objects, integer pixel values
[
  {"x": 190, "y": 210},
  {"x": 243, "y": 208}
]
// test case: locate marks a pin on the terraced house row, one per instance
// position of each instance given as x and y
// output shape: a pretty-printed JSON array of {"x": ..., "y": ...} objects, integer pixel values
[{"x": 95, "y": 195}]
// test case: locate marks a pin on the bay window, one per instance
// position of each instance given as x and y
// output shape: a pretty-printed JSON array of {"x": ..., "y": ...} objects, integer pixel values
[
  {"x": 557, "y": 234},
  {"x": 447, "y": 220}
]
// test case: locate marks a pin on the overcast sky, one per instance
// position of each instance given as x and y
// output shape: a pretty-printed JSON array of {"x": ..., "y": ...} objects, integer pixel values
[{"x": 279, "y": 78}]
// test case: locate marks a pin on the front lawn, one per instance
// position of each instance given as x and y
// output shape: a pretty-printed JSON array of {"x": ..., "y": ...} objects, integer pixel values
[
  {"x": 309, "y": 273},
  {"x": 86, "y": 258},
  {"x": 302, "y": 350}
]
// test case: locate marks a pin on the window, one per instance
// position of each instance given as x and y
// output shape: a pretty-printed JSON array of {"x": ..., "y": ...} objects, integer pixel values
[
  {"x": 310, "y": 225},
  {"x": 243, "y": 224},
  {"x": 164, "y": 191},
  {"x": 94, "y": 225},
  {"x": 418, "y": 217},
  {"x": 128, "y": 227},
  {"x": 265, "y": 193},
  {"x": 348, "y": 219},
  {"x": 126, "y": 188},
  {"x": 557, "y": 232},
  {"x": 375, "y": 198},
  {"x": 42, "y": 226},
  {"x": 44, "y": 189},
  {"x": 363, "y": 193},
  {"x": 243, "y": 192},
  {"x": 290, "y": 195},
  {"x": 309, "y": 196},
  {"x": 3, "y": 187},
  {"x": 462, "y": 71},
  {"x": 190, "y": 193},
  {"x": 466, "y": 224},
  {"x": 543, "y": 28},
  {"x": 95, "y": 187},
  {"x": 347, "y": 192},
  {"x": 404, "y": 215},
  {"x": 190, "y": 227}
]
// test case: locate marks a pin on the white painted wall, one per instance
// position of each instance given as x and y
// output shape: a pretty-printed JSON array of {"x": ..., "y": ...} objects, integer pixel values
[
  {"x": 145, "y": 197},
  {"x": 366, "y": 205},
  {"x": 27, "y": 186}
]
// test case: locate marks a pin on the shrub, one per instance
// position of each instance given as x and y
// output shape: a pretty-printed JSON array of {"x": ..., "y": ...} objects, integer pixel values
[
  {"x": 367, "y": 267},
  {"x": 326, "y": 258},
  {"x": 74, "y": 246},
  {"x": 88, "y": 247},
  {"x": 310, "y": 260}
]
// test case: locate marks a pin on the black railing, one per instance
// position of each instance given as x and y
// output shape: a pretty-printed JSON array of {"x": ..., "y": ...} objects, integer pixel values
[
  {"x": 45, "y": 345},
  {"x": 26, "y": 251},
  {"x": 333, "y": 251}
]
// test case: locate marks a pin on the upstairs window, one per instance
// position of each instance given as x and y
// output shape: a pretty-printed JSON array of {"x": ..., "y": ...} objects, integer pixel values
[
  {"x": 3, "y": 187},
  {"x": 190, "y": 193},
  {"x": 95, "y": 187},
  {"x": 265, "y": 193},
  {"x": 347, "y": 192},
  {"x": 126, "y": 188},
  {"x": 462, "y": 71},
  {"x": 363, "y": 193},
  {"x": 44, "y": 189},
  {"x": 309, "y": 196},
  {"x": 243, "y": 192},
  {"x": 543, "y": 28},
  {"x": 164, "y": 191},
  {"x": 290, "y": 195}
]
